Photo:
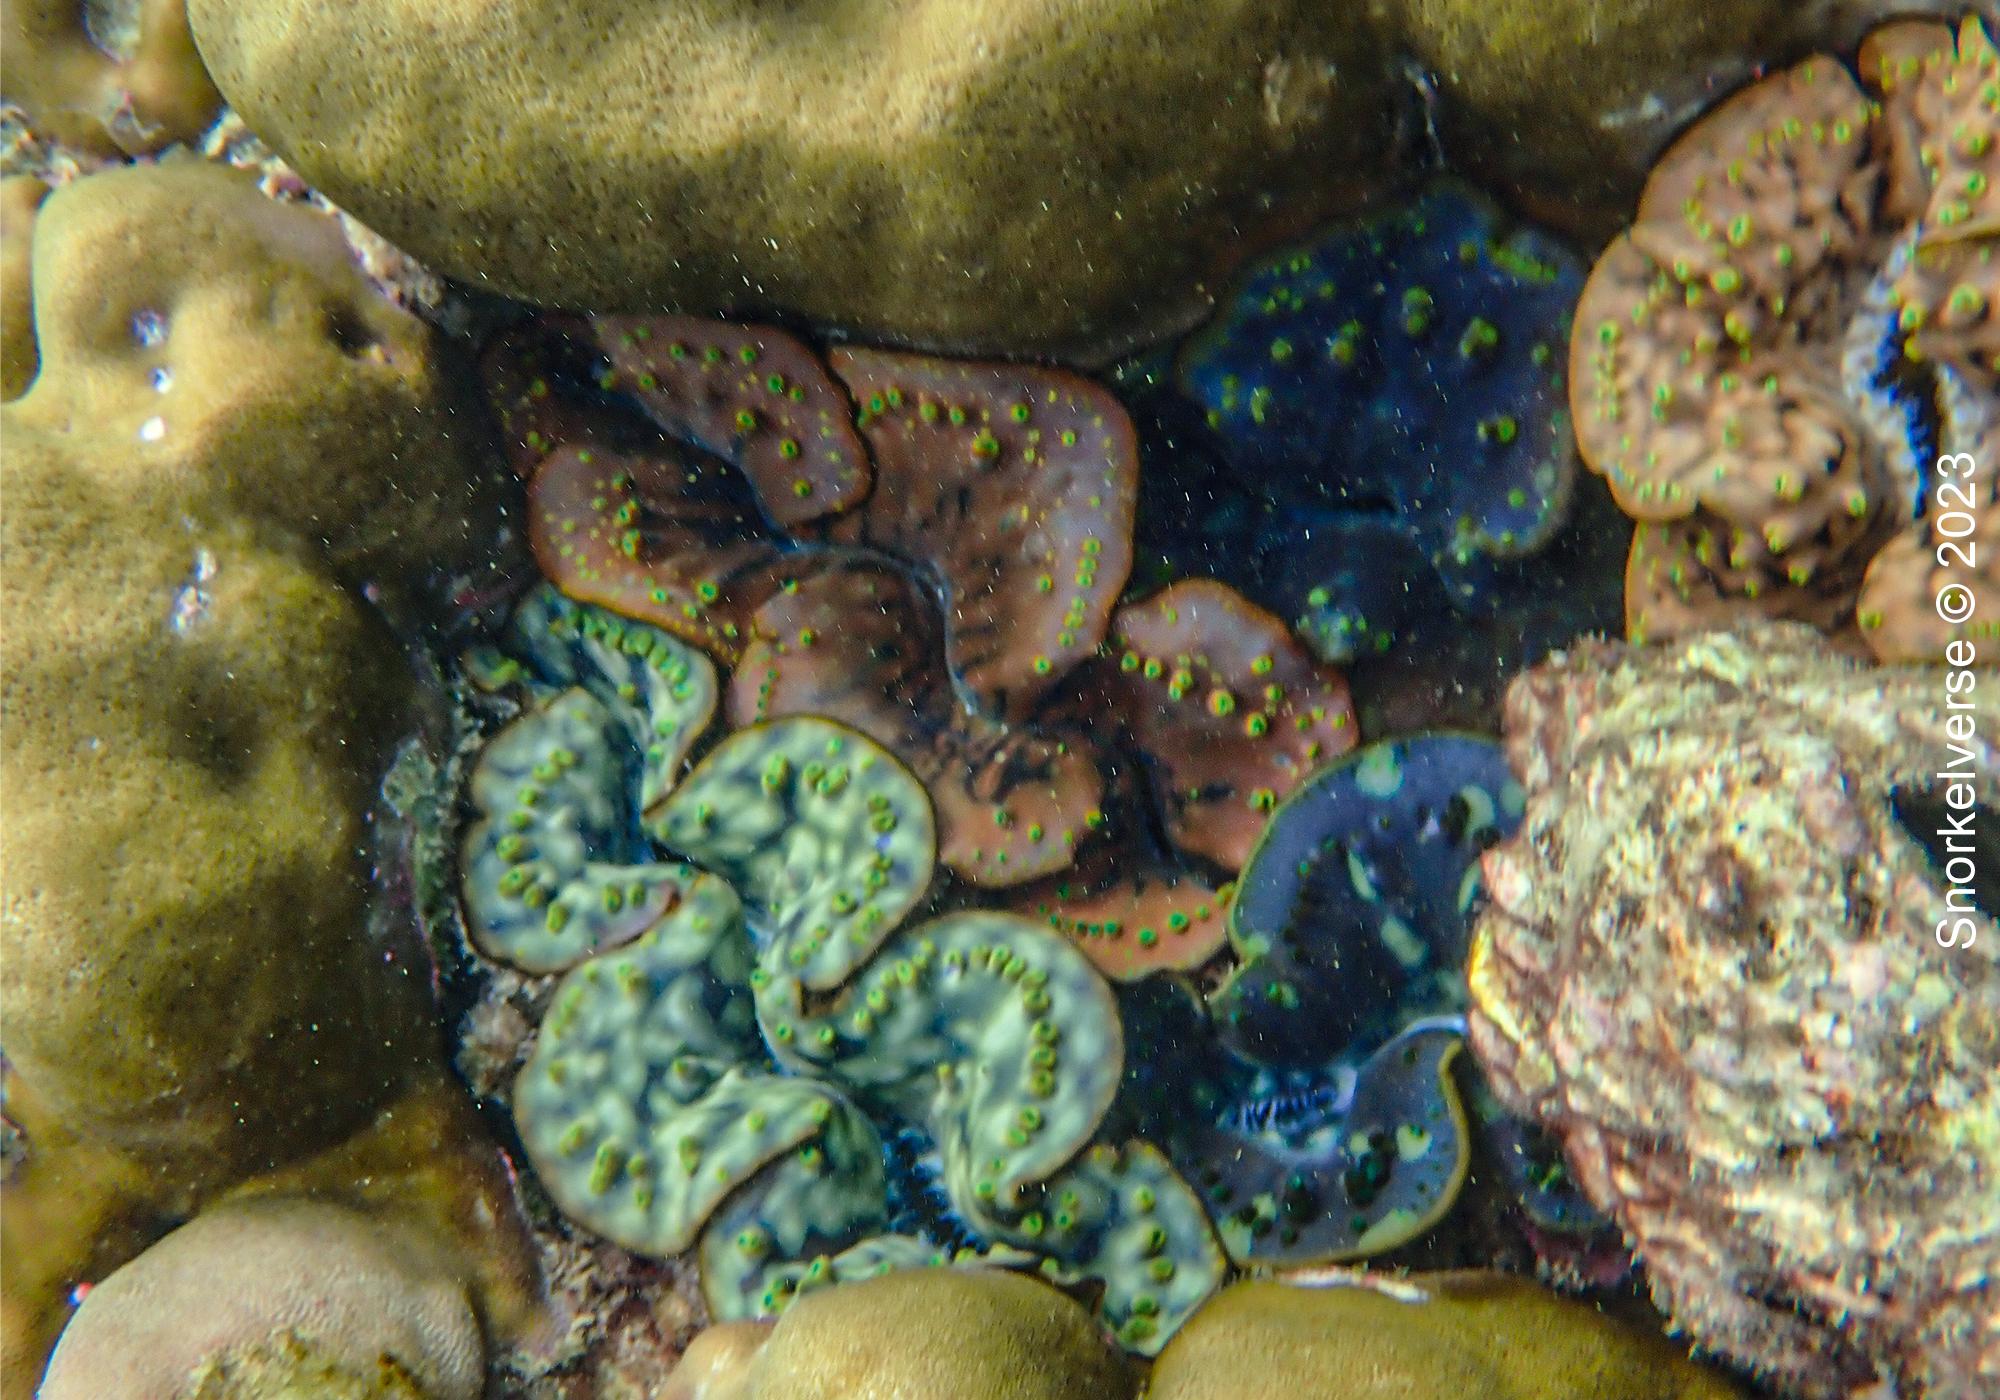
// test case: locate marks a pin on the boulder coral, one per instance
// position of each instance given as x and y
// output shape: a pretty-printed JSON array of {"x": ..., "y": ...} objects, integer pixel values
[
  {"x": 1015, "y": 175},
  {"x": 1428, "y": 1337},
  {"x": 1741, "y": 961},
  {"x": 1563, "y": 104},
  {"x": 228, "y": 438},
  {"x": 275, "y": 1289},
  {"x": 972, "y": 1334},
  {"x": 1771, "y": 367}
]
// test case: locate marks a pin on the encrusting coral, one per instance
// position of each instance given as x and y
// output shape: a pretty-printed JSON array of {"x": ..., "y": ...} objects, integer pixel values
[
  {"x": 1772, "y": 365},
  {"x": 228, "y": 436},
  {"x": 1741, "y": 961},
  {"x": 1000, "y": 177},
  {"x": 54, "y": 65}
]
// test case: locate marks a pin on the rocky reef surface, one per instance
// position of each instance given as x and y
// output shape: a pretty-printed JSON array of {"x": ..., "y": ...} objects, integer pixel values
[{"x": 1741, "y": 960}]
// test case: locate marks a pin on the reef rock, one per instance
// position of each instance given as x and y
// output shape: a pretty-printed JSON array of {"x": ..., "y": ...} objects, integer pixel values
[
  {"x": 1020, "y": 175},
  {"x": 1721, "y": 966}
]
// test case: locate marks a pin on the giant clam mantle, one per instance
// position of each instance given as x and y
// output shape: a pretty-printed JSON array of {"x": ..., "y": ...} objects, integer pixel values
[
  {"x": 1799, "y": 323},
  {"x": 751, "y": 1056},
  {"x": 1397, "y": 385},
  {"x": 733, "y": 1026}
]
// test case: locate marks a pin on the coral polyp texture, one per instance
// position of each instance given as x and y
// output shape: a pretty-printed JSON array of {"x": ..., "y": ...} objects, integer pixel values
[
  {"x": 1016, "y": 177},
  {"x": 1425, "y": 1336},
  {"x": 203, "y": 987},
  {"x": 275, "y": 1297},
  {"x": 977, "y": 1334},
  {"x": 1404, "y": 372},
  {"x": 1770, "y": 366},
  {"x": 1740, "y": 961}
]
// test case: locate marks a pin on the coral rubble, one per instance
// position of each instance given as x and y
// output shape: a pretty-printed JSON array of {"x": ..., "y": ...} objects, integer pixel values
[
  {"x": 1741, "y": 961},
  {"x": 1771, "y": 366}
]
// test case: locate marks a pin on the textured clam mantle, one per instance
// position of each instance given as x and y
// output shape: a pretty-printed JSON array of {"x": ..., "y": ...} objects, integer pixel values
[{"x": 1710, "y": 969}]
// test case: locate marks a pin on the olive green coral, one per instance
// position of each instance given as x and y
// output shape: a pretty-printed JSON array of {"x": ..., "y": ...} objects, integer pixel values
[
  {"x": 155, "y": 93},
  {"x": 227, "y": 430},
  {"x": 971, "y": 1334},
  {"x": 1427, "y": 1337},
  {"x": 1006, "y": 174}
]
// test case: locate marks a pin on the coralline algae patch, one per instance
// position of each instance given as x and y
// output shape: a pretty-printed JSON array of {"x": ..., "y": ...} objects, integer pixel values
[{"x": 1405, "y": 373}]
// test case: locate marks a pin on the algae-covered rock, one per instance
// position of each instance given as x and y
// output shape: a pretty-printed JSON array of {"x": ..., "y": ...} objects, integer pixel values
[
  {"x": 228, "y": 428},
  {"x": 1008, "y": 174},
  {"x": 1437, "y": 1337},
  {"x": 972, "y": 1334}
]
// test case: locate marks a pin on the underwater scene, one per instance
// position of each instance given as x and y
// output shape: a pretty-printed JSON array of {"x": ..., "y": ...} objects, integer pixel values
[{"x": 999, "y": 699}]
